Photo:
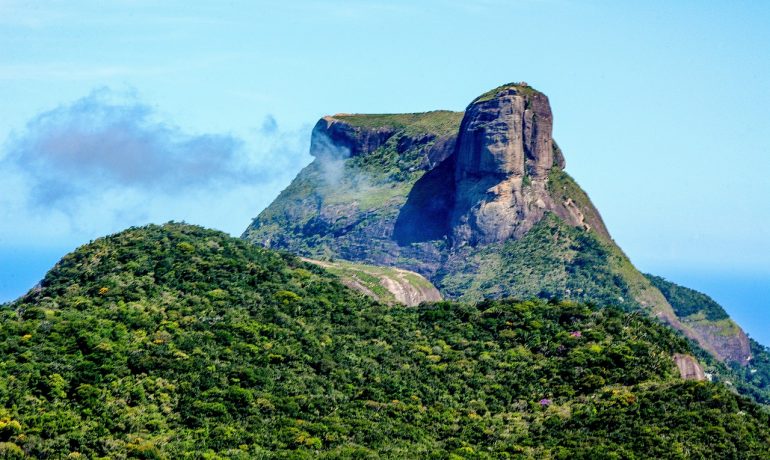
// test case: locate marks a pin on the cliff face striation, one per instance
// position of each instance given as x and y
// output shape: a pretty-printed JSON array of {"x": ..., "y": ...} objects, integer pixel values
[{"x": 477, "y": 202}]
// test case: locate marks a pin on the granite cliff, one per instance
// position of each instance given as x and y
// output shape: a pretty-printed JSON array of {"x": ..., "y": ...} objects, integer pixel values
[
  {"x": 504, "y": 157},
  {"x": 477, "y": 202}
]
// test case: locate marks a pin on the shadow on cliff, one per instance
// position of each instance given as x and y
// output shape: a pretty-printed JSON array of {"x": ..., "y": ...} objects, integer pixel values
[{"x": 426, "y": 213}]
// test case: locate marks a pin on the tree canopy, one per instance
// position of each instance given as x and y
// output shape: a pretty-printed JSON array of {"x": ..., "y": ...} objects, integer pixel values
[{"x": 175, "y": 341}]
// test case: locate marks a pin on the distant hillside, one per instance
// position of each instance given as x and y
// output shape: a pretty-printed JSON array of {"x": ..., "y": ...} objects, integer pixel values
[
  {"x": 478, "y": 202},
  {"x": 700, "y": 311},
  {"x": 179, "y": 342}
]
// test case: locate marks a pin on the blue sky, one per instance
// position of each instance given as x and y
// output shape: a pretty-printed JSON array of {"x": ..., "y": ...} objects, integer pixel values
[{"x": 127, "y": 112}]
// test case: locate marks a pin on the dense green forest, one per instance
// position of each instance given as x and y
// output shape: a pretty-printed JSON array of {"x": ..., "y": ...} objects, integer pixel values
[{"x": 180, "y": 342}]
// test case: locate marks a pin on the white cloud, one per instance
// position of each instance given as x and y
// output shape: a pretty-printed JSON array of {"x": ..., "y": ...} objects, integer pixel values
[{"x": 108, "y": 161}]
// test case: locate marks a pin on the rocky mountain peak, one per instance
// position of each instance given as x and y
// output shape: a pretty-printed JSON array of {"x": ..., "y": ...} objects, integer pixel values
[
  {"x": 507, "y": 132},
  {"x": 504, "y": 155},
  {"x": 477, "y": 202},
  {"x": 431, "y": 136}
]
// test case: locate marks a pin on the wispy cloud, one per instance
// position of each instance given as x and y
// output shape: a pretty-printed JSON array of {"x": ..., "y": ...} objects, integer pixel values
[
  {"x": 110, "y": 139},
  {"x": 109, "y": 157},
  {"x": 331, "y": 159}
]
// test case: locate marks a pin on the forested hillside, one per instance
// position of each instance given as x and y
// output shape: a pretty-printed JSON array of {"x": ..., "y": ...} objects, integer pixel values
[{"x": 180, "y": 342}]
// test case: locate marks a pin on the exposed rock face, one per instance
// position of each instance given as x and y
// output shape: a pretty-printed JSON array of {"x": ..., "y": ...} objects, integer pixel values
[
  {"x": 728, "y": 341},
  {"x": 339, "y": 134},
  {"x": 330, "y": 131},
  {"x": 403, "y": 286},
  {"x": 376, "y": 207},
  {"x": 506, "y": 134},
  {"x": 689, "y": 368},
  {"x": 706, "y": 320},
  {"x": 505, "y": 154}
]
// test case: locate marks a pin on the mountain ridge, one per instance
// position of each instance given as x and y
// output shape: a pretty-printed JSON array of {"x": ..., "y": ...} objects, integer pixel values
[{"x": 448, "y": 203}]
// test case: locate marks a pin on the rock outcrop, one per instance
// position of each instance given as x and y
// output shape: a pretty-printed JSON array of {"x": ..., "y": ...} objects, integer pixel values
[
  {"x": 386, "y": 206},
  {"x": 707, "y": 321},
  {"x": 331, "y": 132},
  {"x": 400, "y": 286},
  {"x": 726, "y": 339},
  {"x": 507, "y": 133},
  {"x": 689, "y": 368},
  {"x": 346, "y": 135},
  {"x": 504, "y": 157}
]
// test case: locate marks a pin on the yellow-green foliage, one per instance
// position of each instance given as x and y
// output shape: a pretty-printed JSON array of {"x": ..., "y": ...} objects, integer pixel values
[
  {"x": 563, "y": 187},
  {"x": 553, "y": 260},
  {"x": 688, "y": 302},
  {"x": 725, "y": 327}
]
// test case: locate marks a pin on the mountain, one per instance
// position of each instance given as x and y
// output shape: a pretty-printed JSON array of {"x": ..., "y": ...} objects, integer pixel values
[
  {"x": 175, "y": 341},
  {"x": 477, "y": 202}
]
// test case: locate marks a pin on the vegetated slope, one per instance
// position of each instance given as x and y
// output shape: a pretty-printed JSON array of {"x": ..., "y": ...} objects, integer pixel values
[
  {"x": 477, "y": 202},
  {"x": 701, "y": 311},
  {"x": 179, "y": 342},
  {"x": 386, "y": 284},
  {"x": 552, "y": 260}
]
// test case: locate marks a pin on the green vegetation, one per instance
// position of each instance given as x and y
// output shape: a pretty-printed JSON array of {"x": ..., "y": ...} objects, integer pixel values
[
  {"x": 179, "y": 342},
  {"x": 369, "y": 188},
  {"x": 564, "y": 188},
  {"x": 359, "y": 274},
  {"x": 387, "y": 165},
  {"x": 552, "y": 261},
  {"x": 751, "y": 379},
  {"x": 688, "y": 302},
  {"x": 438, "y": 122},
  {"x": 754, "y": 380},
  {"x": 619, "y": 271},
  {"x": 377, "y": 213}
]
